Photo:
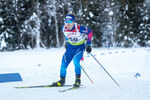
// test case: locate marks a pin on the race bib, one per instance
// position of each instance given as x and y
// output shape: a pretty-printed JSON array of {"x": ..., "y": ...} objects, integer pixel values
[{"x": 74, "y": 37}]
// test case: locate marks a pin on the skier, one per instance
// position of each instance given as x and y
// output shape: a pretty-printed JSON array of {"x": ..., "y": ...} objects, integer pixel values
[{"x": 75, "y": 47}]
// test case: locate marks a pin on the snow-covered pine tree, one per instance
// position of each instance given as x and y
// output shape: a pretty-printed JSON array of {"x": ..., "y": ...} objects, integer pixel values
[
  {"x": 8, "y": 29},
  {"x": 131, "y": 22}
]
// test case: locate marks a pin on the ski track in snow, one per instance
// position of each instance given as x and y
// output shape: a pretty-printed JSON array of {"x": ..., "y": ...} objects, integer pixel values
[{"x": 41, "y": 66}]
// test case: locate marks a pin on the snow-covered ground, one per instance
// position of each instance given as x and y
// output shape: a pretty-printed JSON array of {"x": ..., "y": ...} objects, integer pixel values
[{"x": 40, "y": 66}]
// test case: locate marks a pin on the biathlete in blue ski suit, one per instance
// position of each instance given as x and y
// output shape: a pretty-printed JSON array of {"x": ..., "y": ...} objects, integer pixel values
[{"x": 75, "y": 37}]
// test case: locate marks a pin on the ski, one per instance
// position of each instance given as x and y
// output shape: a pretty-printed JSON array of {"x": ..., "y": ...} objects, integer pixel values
[
  {"x": 41, "y": 86},
  {"x": 71, "y": 88}
]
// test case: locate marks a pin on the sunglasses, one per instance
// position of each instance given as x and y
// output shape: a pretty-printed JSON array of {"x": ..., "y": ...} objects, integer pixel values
[{"x": 68, "y": 21}]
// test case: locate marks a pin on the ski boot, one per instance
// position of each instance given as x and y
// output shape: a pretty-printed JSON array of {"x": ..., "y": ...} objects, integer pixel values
[
  {"x": 61, "y": 82},
  {"x": 77, "y": 81}
]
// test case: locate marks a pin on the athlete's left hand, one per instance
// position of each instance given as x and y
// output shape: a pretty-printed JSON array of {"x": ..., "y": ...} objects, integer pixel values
[{"x": 88, "y": 49}]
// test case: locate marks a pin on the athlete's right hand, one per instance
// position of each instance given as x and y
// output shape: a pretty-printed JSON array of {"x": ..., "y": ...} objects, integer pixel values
[{"x": 66, "y": 45}]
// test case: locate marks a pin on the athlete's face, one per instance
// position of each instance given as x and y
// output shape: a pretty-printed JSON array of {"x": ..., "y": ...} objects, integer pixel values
[{"x": 69, "y": 24}]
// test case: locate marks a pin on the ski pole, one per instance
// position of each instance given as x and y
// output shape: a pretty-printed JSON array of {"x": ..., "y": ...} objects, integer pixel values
[
  {"x": 105, "y": 70},
  {"x": 86, "y": 74}
]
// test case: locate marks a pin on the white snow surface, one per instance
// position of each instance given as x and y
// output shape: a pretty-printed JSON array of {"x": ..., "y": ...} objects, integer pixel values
[{"x": 41, "y": 66}]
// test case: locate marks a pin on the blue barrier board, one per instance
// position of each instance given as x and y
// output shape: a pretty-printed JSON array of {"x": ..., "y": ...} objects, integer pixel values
[{"x": 10, "y": 77}]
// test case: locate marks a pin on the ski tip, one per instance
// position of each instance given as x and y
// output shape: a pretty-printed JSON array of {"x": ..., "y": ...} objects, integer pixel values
[
  {"x": 17, "y": 87},
  {"x": 92, "y": 82}
]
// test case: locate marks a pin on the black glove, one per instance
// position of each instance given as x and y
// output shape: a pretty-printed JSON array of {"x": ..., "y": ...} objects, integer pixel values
[
  {"x": 66, "y": 45},
  {"x": 88, "y": 49}
]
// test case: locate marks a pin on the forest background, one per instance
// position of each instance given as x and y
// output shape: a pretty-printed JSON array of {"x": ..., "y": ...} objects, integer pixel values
[{"x": 26, "y": 24}]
